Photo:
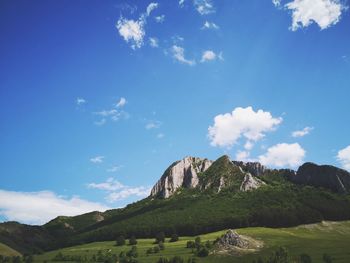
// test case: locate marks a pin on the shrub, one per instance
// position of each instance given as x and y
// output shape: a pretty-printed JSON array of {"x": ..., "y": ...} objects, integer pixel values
[
  {"x": 160, "y": 237},
  {"x": 161, "y": 245},
  {"x": 174, "y": 238},
  {"x": 120, "y": 241},
  {"x": 190, "y": 244},
  {"x": 202, "y": 251},
  {"x": 132, "y": 241},
  {"x": 305, "y": 258}
]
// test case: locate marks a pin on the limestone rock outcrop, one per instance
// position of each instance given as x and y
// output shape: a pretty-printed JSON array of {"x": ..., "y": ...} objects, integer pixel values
[{"x": 182, "y": 173}]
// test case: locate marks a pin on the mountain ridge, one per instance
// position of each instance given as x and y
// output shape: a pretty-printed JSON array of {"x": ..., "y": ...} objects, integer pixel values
[{"x": 199, "y": 196}]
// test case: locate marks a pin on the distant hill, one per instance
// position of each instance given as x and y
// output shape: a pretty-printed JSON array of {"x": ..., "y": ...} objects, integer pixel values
[{"x": 196, "y": 196}]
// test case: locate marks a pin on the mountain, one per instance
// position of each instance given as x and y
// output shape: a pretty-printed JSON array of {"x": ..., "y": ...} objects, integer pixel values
[
  {"x": 326, "y": 176},
  {"x": 197, "y": 195}
]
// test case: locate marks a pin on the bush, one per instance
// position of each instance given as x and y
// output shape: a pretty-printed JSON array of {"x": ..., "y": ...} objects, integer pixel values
[
  {"x": 132, "y": 252},
  {"x": 202, "y": 251},
  {"x": 120, "y": 241},
  {"x": 327, "y": 258},
  {"x": 156, "y": 249},
  {"x": 161, "y": 245},
  {"x": 305, "y": 258},
  {"x": 174, "y": 238},
  {"x": 190, "y": 244},
  {"x": 160, "y": 237},
  {"x": 132, "y": 241}
]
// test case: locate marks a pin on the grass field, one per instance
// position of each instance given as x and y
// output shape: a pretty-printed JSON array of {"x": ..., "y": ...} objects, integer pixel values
[
  {"x": 332, "y": 238},
  {"x": 7, "y": 251}
]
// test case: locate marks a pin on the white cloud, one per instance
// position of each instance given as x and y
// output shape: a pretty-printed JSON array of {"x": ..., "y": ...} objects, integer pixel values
[
  {"x": 160, "y": 135},
  {"x": 110, "y": 185},
  {"x": 160, "y": 19},
  {"x": 80, "y": 101},
  {"x": 153, "y": 42},
  {"x": 140, "y": 191},
  {"x": 209, "y": 55},
  {"x": 117, "y": 191},
  {"x": 132, "y": 31},
  {"x": 324, "y": 13},
  {"x": 97, "y": 159},
  {"x": 121, "y": 103},
  {"x": 243, "y": 156},
  {"x": 115, "y": 114},
  {"x": 210, "y": 25},
  {"x": 153, "y": 125},
  {"x": 204, "y": 7},
  {"x": 283, "y": 155},
  {"x": 114, "y": 169},
  {"x": 181, "y": 3},
  {"x": 242, "y": 122},
  {"x": 179, "y": 54},
  {"x": 151, "y": 7},
  {"x": 248, "y": 145},
  {"x": 40, "y": 207},
  {"x": 277, "y": 3},
  {"x": 302, "y": 133},
  {"x": 344, "y": 157}
]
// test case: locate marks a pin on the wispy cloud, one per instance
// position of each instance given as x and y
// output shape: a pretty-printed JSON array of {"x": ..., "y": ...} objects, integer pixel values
[
  {"x": 151, "y": 7},
  {"x": 97, "y": 159},
  {"x": 114, "y": 169},
  {"x": 121, "y": 103},
  {"x": 179, "y": 55},
  {"x": 204, "y": 7},
  {"x": 133, "y": 31},
  {"x": 210, "y": 25},
  {"x": 43, "y": 206},
  {"x": 80, "y": 101},
  {"x": 302, "y": 133},
  {"x": 153, "y": 125},
  {"x": 153, "y": 41},
  {"x": 209, "y": 55},
  {"x": 160, "y": 19},
  {"x": 160, "y": 135},
  {"x": 117, "y": 191}
]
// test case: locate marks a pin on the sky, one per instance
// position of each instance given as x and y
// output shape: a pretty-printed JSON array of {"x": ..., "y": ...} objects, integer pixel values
[{"x": 98, "y": 98}]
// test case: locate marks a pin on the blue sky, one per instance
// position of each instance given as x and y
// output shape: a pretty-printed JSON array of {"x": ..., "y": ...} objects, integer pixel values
[{"x": 97, "y": 98}]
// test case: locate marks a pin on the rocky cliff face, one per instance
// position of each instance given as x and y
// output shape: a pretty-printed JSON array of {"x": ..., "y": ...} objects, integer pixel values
[
  {"x": 222, "y": 173},
  {"x": 326, "y": 176},
  {"x": 182, "y": 173}
]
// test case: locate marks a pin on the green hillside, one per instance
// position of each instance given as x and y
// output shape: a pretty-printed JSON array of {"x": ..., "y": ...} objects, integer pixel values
[
  {"x": 7, "y": 251},
  {"x": 332, "y": 238}
]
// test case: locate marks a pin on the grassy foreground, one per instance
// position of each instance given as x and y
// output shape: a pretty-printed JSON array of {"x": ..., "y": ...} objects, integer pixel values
[
  {"x": 332, "y": 238},
  {"x": 7, "y": 251}
]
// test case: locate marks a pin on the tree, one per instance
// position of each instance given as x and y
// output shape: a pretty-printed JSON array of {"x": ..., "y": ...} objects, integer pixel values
[
  {"x": 174, "y": 238},
  {"x": 156, "y": 249},
  {"x": 132, "y": 241},
  {"x": 305, "y": 258},
  {"x": 202, "y": 252},
  {"x": 161, "y": 245},
  {"x": 132, "y": 252},
  {"x": 190, "y": 244},
  {"x": 160, "y": 237},
  {"x": 120, "y": 241},
  {"x": 327, "y": 258},
  {"x": 197, "y": 241}
]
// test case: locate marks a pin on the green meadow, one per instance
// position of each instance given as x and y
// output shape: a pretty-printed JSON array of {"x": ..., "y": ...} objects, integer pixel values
[
  {"x": 332, "y": 238},
  {"x": 7, "y": 251}
]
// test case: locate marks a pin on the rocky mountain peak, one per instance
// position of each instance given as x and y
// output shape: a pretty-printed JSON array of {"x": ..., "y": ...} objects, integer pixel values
[
  {"x": 183, "y": 173},
  {"x": 254, "y": 168},
  {"x": 326, "y": 176}
]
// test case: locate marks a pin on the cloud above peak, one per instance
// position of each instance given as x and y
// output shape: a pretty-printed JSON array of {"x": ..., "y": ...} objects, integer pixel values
[
  {"x": 343, "y": 157},
  {"x": 252, "y": 125},
  {"x": 283, "y": 155}
]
